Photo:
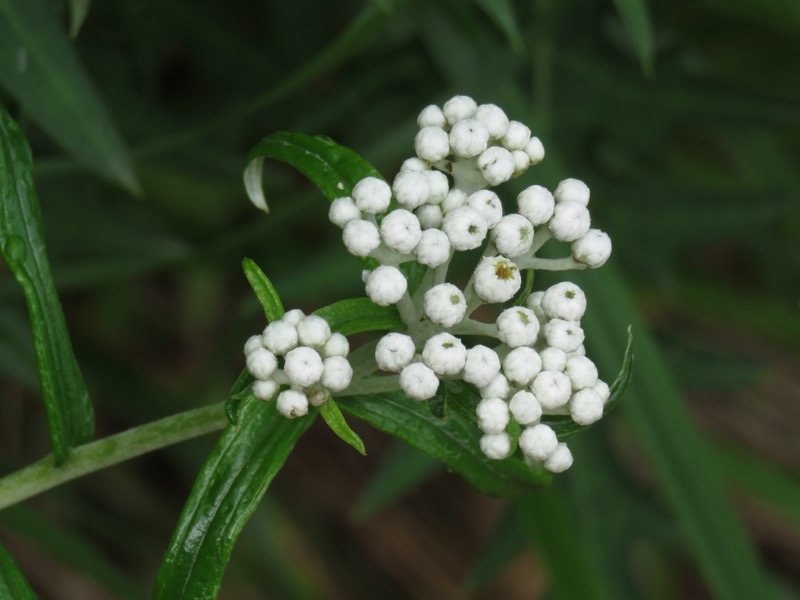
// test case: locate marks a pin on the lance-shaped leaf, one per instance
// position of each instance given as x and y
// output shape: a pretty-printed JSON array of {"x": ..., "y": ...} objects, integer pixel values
[
  {"x": 39, "y": 67},
  {"x": 335, "y": 419},
  {"x": 267, "y": 295},
  {"x": 13, "y": 585},
  {"x": 360, "y": 314},
  {"x": 69, "y": 412}
]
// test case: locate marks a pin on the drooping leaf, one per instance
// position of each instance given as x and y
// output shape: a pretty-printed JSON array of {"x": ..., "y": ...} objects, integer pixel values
[
  {"x": 39, "y": 67},
  {"x": 334, "y": 169},
  {"x": 360, "y": 314},
  {"x": 636, "y": 18},
  {"x": 234, "y": 478},
  {"x": 69, "y": 412},
  {"x": 266, "y": 293},
  {"x": 13, "y": 585},
  {"x": 335, "y": 419}
]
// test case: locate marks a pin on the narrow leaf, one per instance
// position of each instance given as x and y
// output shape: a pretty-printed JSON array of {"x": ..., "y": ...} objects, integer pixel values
[
  {"x": 266, "y": 293},
  {"x": 39, "y": 67},
  {"x": 636, "y": 18},
  {"x": 335, "y": 419},
  {"x": 78, "y": 9},
  {"x": 69, "y": 412},
  {"x": 360, "y": 314},
  {"x": 13, "y": 585},
  {"x": 234, "y": 478},
  {"x": 334, "y": 169}
]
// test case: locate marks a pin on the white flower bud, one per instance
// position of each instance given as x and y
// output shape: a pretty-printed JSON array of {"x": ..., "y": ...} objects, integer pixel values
[
  {"x": 565, "y": 335},
  {"x": 572, "y": 190},
  {"x": 394, "y": 351},
  {"x": 419, "y": 381},
  {"x": 313, "y": 330},
  {"x": 513, "y": 235},
  {"x": 586, "y": 407},
  {"x": 455, "y": 199},
  {"x": 445, "y": 354},
  {"x": 517, "y": 136},
  {"x": 317, "y": 395},
  {"x": 444, "y": 304},
  {"x": 560, "y": 460},
  {"x": 431, "y": 116},
  {"x": 601, "y": 389},
  {"x": 432, "y": 143},
  {"x": 361, "y": 237},
  {"x": 593, "y": 249},
  {"x": 261, "y": 363},
  {"x": 488, "y": 204},
  {"x": 536, "y": 204},
  {"x": 469, "y": 138},
  {"x": 570, "y": 221},
  {"x": 521, "y": 161},
  {"x": 553, "y": 359},
  {"x": 517, "y": 326},
  {"x": 459, "y": 108},
  {"x": 265, "y": 389},
  {"x": 337, "y": 345},
  {"x": 496, "y": 446},
  {"x": 496, "y": 165},
  {"x": 411, "y": 188},
  {"x": 293, "y": 316},
  {"x": 581, "y": 371},
  {"x": 430, "y": 216},
  {"x": 564, "y": 300},
  {"x": 494, "y": 118},
  {"x": 292, "y": 404},
  {"x": 254, "y": 342},
  {"x": 280, "y": 337},
  {"x": 481, "y": 367},
  {"x": 535, "y": 150},
  {"x": 337, "y": 373},
  {"x": 303, "y": 366},
  {"x": 525, "y": 408},
  {"x": 400, "y": 231},
  {"x": 534, "y": 302},
  {"x": 439, "y": 186},
  {"x": 342, "y": 211},
  {"x": 579, "y": 351},
  {"x": 372, "y": 195},
  {"x": 552, "y": 389},
  {"x": 492, "y": 415},
  {"x": 496, "y": 279},
  {"x": 465, "y": 227},
  {"x": 386, "y": 285},
  {"x": 433, "y": 248},
  {"x": 414, "y": 164},
  {"x": 498, "y": 387},
  {"x": 538, "y": 442},
  {"x": 521, "y": 365}
]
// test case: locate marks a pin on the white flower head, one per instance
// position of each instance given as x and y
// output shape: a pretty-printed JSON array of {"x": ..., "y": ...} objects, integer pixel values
[
  {"x": 494, "y": 118},
  {"x": 337, "y": 345},
  {"x": 572, "y": 190},
  {"x": 419, "y": 381},
  {"x": 536, "y": 204},
  {"x": 525, "y": 408},
  {"x": 439, "y": 186},
  {"x": 496, "y": 279},
  {"x": 400, "y": 231},
  {"x": 488, "y": 204},
  {"x": 469, "y": 138},
  {"x": 314, "y": 331},
  {"x": 394, "y": 352},
  {"x": 254, "y": 342},
  {"x": 445, "y": 354},
  {"x": 535, "y": 150},
  {"x": 337, "y": 373},
  {"x": 521, "y": 365},
  {"x": 465, "y": 228},
  {"x": 493, "y": 415},
  {"x": 292, "y": 404},
  {"x": 455, "y": 198},
  {"x": 581, "y": 371},
  {"x": 431, "y": 116},
  {"x": 586, "y": 407},
  {"x": 444, "y": 304},
  {"x": 414, "y": 164},
  {"x": 303, "y": 366},
  {"x": 342, "y": 211},
  {"x": 553, "y": 359},
  {"x": 521, "y": 161},
  {"x": 592, "y": 249},
  {"x": 433, "y": 248},
  {"x": 280, "y": 336},
  {"x": 496, "y": 165},
  {"x": 459, "y": 108},
  {"x": 570, "y": 221},
  {"x": 386, "y": 285},
  {"x": 513, "y": 235},
  {"x": 261, "y": 363},
  {"x": 564, "y": 300},
  {"x": 496, "y": 446},
  {"x": 482, "y": 366},
  {"x": 560, "y": 460},
  {"x": 534, "y": 302},
  {"x": 432, "y": 143},
  {"x": 517, "y": 136},
  {"x": 602, "y": 390},
  {"x": 372, "y": 195},
  {"x": 430, "y": 216},
  {"x": 293, "y": 316},
  {"x": 552, "y": 389},
  {"x": 265, "y": 389},
  {"x": 411, "y": 188},
  {"x": 538, "y": 442},
  {"x": 564, "y": 335},
  {"x": 517, "y": 326},
  {"x": 361, "y": 237},
  {"x": 498, "y": 387}
]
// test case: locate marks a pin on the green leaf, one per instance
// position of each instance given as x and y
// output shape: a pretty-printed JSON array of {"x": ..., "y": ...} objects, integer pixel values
[
  {"x": 234, "y": 478},
  {"x": 455, "y": 441},
  {"x": 503, "y": 14},
  {"x": 13, "y": 585},
  {"x": 69, "y": 412},
  {"x": 266, "y": 293},
  {"x": 39, "y": 68},
  {"x": 636, "y": 18},
  {"x": 78, "y": 9},
  {"x": 360, "y": 314},
  {"x": 335, "y": 419},
  {"x": 334, "y": 169}
]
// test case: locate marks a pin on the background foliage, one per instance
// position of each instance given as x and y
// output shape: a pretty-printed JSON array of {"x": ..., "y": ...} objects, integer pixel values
[{"x": 683, "y": 119}]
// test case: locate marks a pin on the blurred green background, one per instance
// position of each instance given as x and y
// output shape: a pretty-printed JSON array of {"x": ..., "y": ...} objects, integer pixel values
[{"x": 683, "y": 118}]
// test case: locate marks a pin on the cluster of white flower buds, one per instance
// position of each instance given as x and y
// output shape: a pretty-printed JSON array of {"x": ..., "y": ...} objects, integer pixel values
[{"x": 299, "y": 354}]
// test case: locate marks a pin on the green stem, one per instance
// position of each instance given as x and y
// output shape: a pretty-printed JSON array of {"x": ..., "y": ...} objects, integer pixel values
[{"x": 44, "y": 474}]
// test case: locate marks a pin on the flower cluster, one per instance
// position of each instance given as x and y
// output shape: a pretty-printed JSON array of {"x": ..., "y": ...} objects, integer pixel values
[{"x": 299, "y": 354}]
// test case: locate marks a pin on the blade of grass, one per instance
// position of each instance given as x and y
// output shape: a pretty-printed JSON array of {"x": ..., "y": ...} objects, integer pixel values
[{"x": 13, "y": 585}]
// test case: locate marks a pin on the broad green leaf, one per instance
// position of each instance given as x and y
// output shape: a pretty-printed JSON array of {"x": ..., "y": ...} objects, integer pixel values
[
  {"x": 360, "y": 314},
  {"x": 335, "y": 419},
  {"x": 636, "y": 18},
  {"x": 504, "y": 15},
  {"x": 39, "y": 67},
  {"x": 334, "y": 169},
  {"x": 13, "y": 585},
  {"x": 234, "y": 478},
  {"x": 69, "y": 412},
  {"x": 455, "y": 441},
  {"x": 403, "y": 469},
  {"x": 78, "y": 9},
  {"x": 266, "y": 293}
]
